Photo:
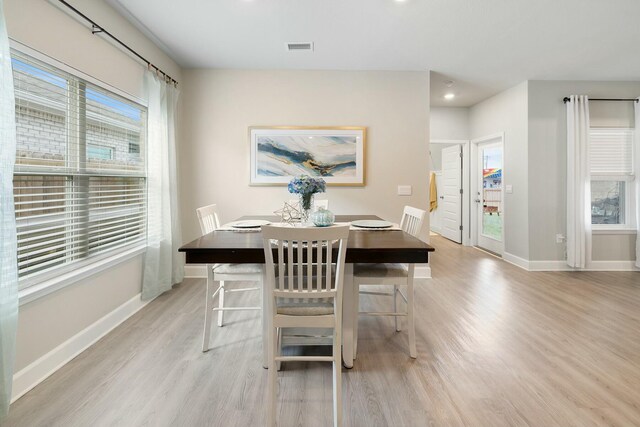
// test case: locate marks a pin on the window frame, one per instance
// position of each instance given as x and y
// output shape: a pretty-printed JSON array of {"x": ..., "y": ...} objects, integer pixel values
[
  {"x": 630, "y": 179},
  {"x": 46, "y": 282}
]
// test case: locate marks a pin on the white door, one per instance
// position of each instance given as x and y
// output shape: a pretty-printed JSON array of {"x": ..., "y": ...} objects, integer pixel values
[
  {"x": 489, "y": 197},
  {"x": 450, "y": 200}
]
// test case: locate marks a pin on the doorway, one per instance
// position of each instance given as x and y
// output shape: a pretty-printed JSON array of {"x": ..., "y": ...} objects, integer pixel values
[
  {"x": 489, "y": 194},
  {"x": 450, "y": 170}
]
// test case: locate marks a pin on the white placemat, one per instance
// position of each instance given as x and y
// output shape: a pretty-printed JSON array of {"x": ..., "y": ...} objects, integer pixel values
[{"x": 228, "y": 227}]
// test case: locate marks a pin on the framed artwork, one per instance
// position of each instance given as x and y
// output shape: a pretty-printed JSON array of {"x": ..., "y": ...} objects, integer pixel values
[{"x": 336, "y": 154}]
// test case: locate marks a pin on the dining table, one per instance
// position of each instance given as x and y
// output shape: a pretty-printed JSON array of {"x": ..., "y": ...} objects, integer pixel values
[{"x": 363, "y": 246}]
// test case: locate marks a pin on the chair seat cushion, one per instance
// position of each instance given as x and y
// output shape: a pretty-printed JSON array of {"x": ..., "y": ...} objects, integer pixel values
[
  {"x": 238, "y": 268},
  {"x": 381, "y": 270},
  {"x": 297, "y": 307}
]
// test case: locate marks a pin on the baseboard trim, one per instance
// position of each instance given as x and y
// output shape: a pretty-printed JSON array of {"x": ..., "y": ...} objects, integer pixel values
[
  {"x": 613, "y": 266},
  {"x": 516, "y": 260},
  {"x": 556, "y": 265},
  {"x": 39, "y": 370},
  {"x": 195, "y": 271}
]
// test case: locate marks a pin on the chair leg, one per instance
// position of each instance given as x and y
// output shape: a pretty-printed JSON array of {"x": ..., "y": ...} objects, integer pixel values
[
  {"x": 272, "y": 382},
  {"x": 398, "y": 325},
  {"x": 221, "y": 304},
  {"x": 356, "y": 310},
  {"x": 279, "y": 347},
  {"x": 412, "y": 326},
  {"x": 337, "y": 379},
  {"x": 207, "y": 310}
]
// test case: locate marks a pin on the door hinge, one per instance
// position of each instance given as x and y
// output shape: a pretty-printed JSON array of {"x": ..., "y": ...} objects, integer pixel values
[
  {"x": 461, "y": 191},
  {"x": 460, "y": 155},
  {"x": 460, "y": 228}
]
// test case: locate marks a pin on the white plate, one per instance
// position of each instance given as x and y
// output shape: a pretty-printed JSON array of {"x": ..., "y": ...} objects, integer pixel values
[
  {"x": 370, "y": 223},
  {"x": 250, "y": 223}
]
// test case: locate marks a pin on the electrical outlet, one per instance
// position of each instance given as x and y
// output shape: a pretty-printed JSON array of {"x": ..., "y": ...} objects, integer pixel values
[{"x": 404, "y": 190}]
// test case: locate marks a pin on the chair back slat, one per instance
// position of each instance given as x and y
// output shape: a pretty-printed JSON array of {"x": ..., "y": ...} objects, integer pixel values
[
  {"x": 281, "y": 269},
  {"x": 412, "y": 219},
  {"x": 329, "y": 263},
  {"x": 208, "y": 218},
  {"x": 296, "y": 247}
]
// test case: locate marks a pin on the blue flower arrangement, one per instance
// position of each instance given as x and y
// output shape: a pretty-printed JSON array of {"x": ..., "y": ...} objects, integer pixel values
[{"x": 306, "y": 186}]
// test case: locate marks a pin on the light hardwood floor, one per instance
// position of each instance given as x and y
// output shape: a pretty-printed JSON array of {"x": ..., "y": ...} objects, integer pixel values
[{"x": 497, "y": 346}]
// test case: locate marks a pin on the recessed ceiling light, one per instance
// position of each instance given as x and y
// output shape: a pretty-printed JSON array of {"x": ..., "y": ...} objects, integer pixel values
[{"x": 449, "y": 96}]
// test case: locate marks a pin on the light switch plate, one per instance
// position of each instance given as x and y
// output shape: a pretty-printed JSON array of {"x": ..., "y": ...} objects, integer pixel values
[
  {"x": 404, "y": 190},
  {"x": 508, "y": 188}
]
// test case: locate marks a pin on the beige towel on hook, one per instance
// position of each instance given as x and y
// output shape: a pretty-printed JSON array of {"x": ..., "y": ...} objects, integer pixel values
[{"x": 433, "y": 193}]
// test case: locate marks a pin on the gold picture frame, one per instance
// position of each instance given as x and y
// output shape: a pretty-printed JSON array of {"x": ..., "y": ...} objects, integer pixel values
[{"x": 335, "y": 153}]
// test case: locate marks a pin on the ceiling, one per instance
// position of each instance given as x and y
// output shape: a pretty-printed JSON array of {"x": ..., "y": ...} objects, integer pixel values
[{"x": 484, "y": 46}]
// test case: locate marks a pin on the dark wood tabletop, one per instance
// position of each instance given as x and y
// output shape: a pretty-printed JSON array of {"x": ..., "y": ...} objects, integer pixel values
[{"x": 366, "y": 246}]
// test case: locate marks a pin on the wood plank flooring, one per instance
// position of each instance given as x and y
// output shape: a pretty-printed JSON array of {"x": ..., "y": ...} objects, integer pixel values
[{"x": 497, "y": 346}]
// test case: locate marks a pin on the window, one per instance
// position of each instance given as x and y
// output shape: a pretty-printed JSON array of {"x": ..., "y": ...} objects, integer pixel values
[
  {"x": 134, "y": 148},
  {"x": 98, "y": 152},
  {"x": 79, "y": 192},
  {"x": 612, "y": 176}
]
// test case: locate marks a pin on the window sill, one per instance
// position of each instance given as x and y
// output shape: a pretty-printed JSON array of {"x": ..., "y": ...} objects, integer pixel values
[
  {"x": 49, "y": 286},
  {"x": 613, "y": 231}
]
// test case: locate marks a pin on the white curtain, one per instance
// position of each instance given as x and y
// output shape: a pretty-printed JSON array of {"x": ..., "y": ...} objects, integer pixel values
[
  {"x": 163, "y": 265},
  {"x": 578, "y": 182},
  {"x": 637, "y": 151},
  {"x": 8, "y": 254}
]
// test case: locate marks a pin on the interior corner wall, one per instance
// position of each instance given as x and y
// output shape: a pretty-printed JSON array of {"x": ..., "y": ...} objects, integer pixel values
[
  {"x": 220, "y": 105},
  {"x": 48, "y": 322},
  {"x": 548, "y": 160},
  {"x": 507, "y": 112},
  {"x": 449, "y": 123}
]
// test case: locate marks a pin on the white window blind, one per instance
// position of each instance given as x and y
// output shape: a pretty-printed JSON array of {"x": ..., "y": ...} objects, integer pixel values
[
  {"x": 80, "y": 190},
  {"x": 611, "y": 151}
]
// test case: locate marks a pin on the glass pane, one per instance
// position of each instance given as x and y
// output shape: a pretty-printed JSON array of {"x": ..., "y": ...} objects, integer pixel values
[
  {"x": 116, "y": 126},
  {"x": 492, "y": 192},
  {"x": 607, "y": 202},
  {"x": 41, "y": 115},
  {"x": 117, "y": 209},
  {"x": 41, "y": 220}
]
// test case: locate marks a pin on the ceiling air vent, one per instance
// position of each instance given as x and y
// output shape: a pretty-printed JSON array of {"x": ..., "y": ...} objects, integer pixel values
[{"x": 299, "y": 46}]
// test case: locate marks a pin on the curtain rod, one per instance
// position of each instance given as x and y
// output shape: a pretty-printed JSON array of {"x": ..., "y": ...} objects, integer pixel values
[
  {"x": 567, "y": 99},
  {"x": 96, "y": 29}
]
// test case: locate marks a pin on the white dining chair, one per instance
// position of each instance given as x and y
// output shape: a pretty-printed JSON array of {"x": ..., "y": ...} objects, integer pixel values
[
  {"x": 304, "y": 285},
  {"x": 222, "y": 274},
  {"x": 395, "y": 275}
]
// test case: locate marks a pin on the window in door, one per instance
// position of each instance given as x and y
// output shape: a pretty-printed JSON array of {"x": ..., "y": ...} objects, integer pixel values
[{"x": 492, "y": 191}]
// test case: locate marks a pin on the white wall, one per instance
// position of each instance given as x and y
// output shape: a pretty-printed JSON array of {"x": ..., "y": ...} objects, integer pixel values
[
  {"x": 48, "y": 322},
  {"x": 548, "y": 159},
  {"x": 507, "y": 112},
  {"x": 449, "y": 123},
  {"x": 220, "y": 105}
]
